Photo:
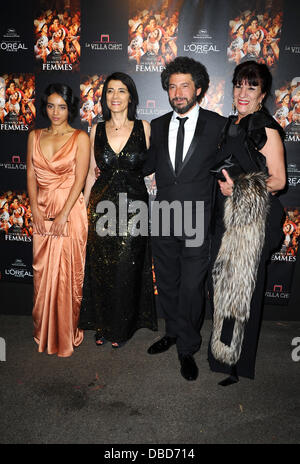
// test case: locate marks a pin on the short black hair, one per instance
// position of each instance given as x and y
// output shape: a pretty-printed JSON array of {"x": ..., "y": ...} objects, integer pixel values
[
  {"x": 134, "y": 98},
  {"x": 185, "y": 65},
  {"x": 255, "y": 74},
  {"x": 64, "y": 91}
]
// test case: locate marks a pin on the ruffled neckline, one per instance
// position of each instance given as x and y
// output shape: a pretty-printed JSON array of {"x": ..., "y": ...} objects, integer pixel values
[{"x": 258, "y": 120}]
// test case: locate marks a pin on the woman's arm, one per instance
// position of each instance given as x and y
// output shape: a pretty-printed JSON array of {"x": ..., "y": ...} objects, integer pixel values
[
  {"x": 274, "y": 152},
  {"x": 32, "y": 189},
  {"x": 91, "y": 177},
  {"x": 147, "y": 130},
  {"x": 81, "y": 169},
  {"x": 150, "y": 162}
]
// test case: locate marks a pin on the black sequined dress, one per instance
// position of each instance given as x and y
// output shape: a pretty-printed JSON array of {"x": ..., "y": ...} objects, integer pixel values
[{"x": 118, "y": 295}]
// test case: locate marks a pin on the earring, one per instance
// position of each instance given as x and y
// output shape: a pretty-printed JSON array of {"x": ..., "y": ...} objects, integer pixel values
[
  {"x": 234, "y": 110},
  {"x": 259, "y": 106}
]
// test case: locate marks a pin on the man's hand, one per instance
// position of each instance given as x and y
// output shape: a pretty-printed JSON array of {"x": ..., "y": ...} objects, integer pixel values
[{"x": 97, "y": 172}]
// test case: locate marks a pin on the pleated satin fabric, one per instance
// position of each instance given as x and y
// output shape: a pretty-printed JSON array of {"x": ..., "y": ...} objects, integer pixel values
[{"x": 58, "y": 262}]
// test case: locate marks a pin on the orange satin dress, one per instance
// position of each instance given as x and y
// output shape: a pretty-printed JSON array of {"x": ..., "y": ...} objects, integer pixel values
[{"x": 58, "y": 262}]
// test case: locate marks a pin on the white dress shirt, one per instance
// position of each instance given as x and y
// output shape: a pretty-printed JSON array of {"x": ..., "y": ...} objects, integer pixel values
[{"x": 189, "y": 130}]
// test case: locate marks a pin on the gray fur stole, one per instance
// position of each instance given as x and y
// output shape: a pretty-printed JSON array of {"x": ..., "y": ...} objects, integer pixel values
[{"x": 235, "y": 269}]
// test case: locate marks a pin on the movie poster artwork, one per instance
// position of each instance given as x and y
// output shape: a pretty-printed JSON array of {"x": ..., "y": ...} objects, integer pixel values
[
  {"x": 291, "y": 230},
  {"x": 15, "y": 217},
  {"x": 282, "y": 266},
  {"x": 17, "y": 101},
  {"x": 90, "y": 100},
  {"x": 255, "y": 32},
  {"x": 152, "y": 33},
  {"x": 287, "y": 109},
  {"x": 214, "y": 97},
  {"x": 57, "y": 35},
  {"x": 150, "y": 183}
]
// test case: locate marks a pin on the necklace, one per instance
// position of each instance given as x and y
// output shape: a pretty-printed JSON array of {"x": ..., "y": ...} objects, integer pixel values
[
  {"x": 121, "y": 127},
  {"x": 58, "y": 135}
]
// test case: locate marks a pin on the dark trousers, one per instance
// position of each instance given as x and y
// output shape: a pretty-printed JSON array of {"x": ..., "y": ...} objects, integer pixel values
[{"x": 180, "y": 274}]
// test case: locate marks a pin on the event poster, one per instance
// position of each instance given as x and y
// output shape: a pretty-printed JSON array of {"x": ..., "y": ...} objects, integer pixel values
[
  {"x": 57, "y": 30},
  {"x": 278, "y": 288},
  {"x": 287, "y": 108},
  {"x": 255, "y": 32},
  {"x": 286, "y": 111},
  {"x": 15, "y": 216},
  {"x": 17, "y": 101},
  {"x": 15, "y": 236},
  {"x": 90, "y": 100},
  {"x": 152, "y": 34}
]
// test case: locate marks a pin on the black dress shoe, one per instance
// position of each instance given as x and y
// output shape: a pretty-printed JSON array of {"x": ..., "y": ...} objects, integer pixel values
[
  {"x": 162, "y": 345},
  {"x": 189, "y": 369}
]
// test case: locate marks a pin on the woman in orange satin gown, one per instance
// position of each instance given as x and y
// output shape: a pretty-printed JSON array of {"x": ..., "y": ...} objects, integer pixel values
[{"x": 57, "y": 165}]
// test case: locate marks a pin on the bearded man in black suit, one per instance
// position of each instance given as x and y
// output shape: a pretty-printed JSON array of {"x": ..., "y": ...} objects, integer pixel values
[{"x": 182, "y": 151}]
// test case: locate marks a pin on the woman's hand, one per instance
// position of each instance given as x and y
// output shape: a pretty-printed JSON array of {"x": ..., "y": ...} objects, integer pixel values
[
  {"x": 227, "y": 186},
  {"x": 38, "y": 222},
  {"x": 58, "y": 225}
]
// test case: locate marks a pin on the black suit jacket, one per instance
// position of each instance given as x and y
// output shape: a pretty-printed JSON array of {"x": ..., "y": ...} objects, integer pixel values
[{"x": 193, "y": 182}]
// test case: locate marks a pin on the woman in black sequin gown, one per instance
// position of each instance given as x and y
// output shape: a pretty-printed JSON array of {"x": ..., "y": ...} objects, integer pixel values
[{"x": 118, "y": 295}]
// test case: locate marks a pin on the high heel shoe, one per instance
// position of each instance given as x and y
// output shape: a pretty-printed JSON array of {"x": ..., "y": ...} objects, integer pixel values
[
  {"x": 117, "y": 344},
  {"x": 233, "y": 378},
  {"x": 99, "y": 340}
]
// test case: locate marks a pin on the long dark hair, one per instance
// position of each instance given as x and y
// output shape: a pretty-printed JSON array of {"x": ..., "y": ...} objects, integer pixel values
[
  {"x": 68, "y": 96},
  {"x": 134, "y": 98}
]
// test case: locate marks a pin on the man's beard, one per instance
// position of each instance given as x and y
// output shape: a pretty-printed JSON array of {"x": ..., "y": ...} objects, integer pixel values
[{"x": 186, "y": 108}]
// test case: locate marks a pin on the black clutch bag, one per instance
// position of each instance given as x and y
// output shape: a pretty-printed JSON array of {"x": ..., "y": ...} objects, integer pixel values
[{"x": 231, "y": 165}]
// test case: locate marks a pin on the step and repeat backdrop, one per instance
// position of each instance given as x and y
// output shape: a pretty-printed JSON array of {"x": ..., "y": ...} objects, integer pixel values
[{"x": 81, "y": 42}]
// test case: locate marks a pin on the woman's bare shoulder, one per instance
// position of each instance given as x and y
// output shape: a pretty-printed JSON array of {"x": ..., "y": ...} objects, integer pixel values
[
  {"x": 33, "y": 133},
  {"x": 83, "y": 135}
]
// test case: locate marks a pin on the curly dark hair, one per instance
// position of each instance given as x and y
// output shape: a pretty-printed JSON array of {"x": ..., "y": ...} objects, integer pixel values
[
  {"x": 185, "y": 65},
  {"x": 67, "y": 95}
]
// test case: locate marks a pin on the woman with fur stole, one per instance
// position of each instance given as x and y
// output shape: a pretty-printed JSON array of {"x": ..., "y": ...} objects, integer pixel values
[{"x": 247, "y": 225}]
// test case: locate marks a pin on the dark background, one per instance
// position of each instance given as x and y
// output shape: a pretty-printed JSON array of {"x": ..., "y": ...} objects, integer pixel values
[{"x": 208, "y": 20}]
